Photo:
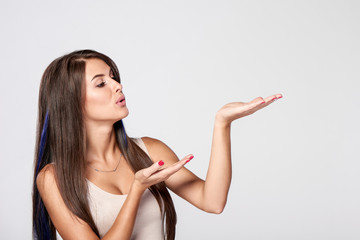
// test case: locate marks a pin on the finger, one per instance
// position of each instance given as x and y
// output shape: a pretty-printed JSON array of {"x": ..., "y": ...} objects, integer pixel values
[
  {"x": 267, "y": 101},
  {"x": 153, "y": 168},
  {"x": 279, "y": 95},
  {"x": 167, "y": 172},
  {"x": 256, "y": 102},
  {"x": 272, "y": 98}
]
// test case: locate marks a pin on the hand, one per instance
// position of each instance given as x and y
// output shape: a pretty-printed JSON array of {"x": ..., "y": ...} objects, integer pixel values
[
  {"x": 235, "y": 110},
  {"x": 156, "y": 173}
]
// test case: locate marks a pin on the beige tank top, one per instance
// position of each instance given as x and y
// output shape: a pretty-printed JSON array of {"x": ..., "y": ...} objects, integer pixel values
[{"x": 105, "y": 206}]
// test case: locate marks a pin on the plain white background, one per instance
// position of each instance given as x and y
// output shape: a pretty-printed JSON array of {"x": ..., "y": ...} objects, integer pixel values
[{"x": 295, "y": 163}]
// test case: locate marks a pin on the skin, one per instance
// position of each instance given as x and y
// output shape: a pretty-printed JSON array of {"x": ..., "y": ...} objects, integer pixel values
[{"x": 100, "y": 113}]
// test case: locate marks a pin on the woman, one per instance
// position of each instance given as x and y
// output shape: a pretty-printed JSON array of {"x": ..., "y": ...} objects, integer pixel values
[{"x": 93, "y": 181}]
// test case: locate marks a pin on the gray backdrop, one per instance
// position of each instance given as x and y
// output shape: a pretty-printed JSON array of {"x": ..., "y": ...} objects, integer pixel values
[{"x": 295, "y": 163}]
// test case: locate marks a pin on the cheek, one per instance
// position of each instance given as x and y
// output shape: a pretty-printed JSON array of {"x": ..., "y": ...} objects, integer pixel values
[{"x": 96, "y": 104}]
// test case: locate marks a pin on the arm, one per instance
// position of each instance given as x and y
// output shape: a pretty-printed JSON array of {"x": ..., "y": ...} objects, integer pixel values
[
  {"x": 209, "y": 195},
  {"x": 70, "y": 226}
]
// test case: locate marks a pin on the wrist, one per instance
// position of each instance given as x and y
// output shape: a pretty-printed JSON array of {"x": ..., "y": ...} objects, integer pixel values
[
  {"x": 220, "y": 122},
  {"x": 137, "y": 187}
]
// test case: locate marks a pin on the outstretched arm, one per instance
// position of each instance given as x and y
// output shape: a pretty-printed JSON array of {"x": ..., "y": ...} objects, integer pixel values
[
  {"x": 218, "y": 177},
  {"x": 209, "y": 195}
]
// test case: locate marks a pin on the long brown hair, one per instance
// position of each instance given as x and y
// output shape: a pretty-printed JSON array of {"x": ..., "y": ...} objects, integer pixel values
[{"x": 61, "y": 140}]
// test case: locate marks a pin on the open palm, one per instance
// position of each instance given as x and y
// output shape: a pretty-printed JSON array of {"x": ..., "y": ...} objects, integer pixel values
[{"x": 235, "y": 110}]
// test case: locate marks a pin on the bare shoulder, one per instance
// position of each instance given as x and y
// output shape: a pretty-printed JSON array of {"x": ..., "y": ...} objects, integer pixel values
[
  {"x": 158, "y": 150},
  {"x": 153, "y": 142},
  {"x": 46, "y": 178}
]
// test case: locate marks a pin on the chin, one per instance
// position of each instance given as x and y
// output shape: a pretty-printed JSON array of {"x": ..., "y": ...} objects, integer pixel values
[{"x": 123, "y": 115}]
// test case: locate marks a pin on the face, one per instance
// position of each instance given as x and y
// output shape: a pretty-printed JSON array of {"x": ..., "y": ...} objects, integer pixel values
[{"x": 104, "y": 99}]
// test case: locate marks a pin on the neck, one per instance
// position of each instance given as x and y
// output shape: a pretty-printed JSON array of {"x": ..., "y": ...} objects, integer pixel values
[{"x": 101, "y": 145}]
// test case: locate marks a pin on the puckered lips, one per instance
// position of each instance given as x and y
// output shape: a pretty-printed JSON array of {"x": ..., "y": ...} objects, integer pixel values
[{"x": 121, "y": 101}]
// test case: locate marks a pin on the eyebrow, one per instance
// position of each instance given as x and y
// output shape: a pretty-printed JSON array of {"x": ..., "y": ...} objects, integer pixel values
[
  {"x": 102, "y": 75},
  {"x": 98, "y": 75}
]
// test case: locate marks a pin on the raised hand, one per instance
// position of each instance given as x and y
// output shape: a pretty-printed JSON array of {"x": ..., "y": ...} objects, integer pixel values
[
  {"x": 235, "y": 110},
  {"x": 157, "y": 173}
]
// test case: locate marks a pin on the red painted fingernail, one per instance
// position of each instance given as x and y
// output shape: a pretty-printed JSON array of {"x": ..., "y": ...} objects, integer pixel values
[
  {"x": 161, "y": 163},
  {"x": 191, "y": 157},
  {"x": 273, "y": 99},
  {"x": 262, "y": 102},
  {"x": 280, "y": 97}
]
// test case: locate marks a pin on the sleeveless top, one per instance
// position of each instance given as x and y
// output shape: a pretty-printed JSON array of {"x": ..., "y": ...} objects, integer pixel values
[{"x": 105, "y": 206}]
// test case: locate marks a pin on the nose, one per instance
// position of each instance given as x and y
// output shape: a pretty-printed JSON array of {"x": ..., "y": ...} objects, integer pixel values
[{"x": 118, "y": 87}]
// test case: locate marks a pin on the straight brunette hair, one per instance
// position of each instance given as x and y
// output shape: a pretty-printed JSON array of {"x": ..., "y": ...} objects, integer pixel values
[{"x": 60, "y": 139}]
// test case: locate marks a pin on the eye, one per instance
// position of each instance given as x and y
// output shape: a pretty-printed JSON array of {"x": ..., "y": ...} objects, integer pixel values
[{"x": 101, "y": 84}]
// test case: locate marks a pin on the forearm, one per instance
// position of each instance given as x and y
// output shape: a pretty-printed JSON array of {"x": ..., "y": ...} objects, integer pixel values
[
  {"x": 124, "y": 223},
  {"x": 218, "y": 177}
]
